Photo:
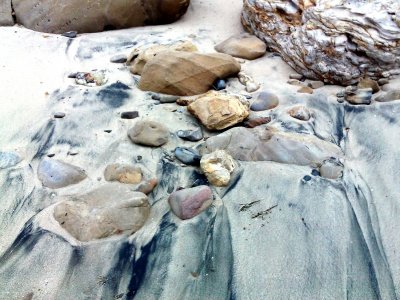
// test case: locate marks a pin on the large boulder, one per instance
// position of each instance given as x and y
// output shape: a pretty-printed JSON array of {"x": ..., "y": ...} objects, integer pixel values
[
  {"x": 333, "y": 41},
  {"x": 58, "y": 16},
  {"x": 108, "y": 210},
  {"x": 6, "y": 18},
  {"x": 218, "y": 110},
  {"x": 186, "y": 74}
]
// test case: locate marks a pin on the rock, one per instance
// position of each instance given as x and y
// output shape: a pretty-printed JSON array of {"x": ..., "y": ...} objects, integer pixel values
[
  {"x": 251, "y": 123},
  {"x": 252, "y": 86},
  {"x": 301, "y": 113},
  {"x": 149, "y": 133},
  {"x": 296, "y": 76},
  {"x": 331, "y": 169},
  {"x": 59, "y": 115},
  {"x": 70, "y": 34},
  {"x": 327, "y": 40},
  {"x": 362, "y": 96},
  {"x": 56, "y": 174},
  {"x": 95, "y": 78},
  {"x": 88, "y": 16},
  {"x": 295, "y": 82},
  {"x": 167, "y": 98},
  {"x": 270, "y": 144},
  {"x": 129, "y": 115},
  {"x": 6, "y": 18},
  {"x": 188, "y": 156},
  {"x": 9, "y": 159},
  {"x": 218, "y": 111},
  {"x": 219, "y": 84},
  {"x": 184, "y": 73},
  {"x": 265, "y": 100},
  {"x": 218, "y": 167},
  {"x": 109, "y": 210},
  {"x": 119, "y": 59},
  {"x": 315, "y": 84},
  {"x": 244, "y": 45},
  {"x": 305, "y": 90},
  {"x": 188, "y": 203},
  {"x": 185, "y": 101},
  {"x": 191, "y": 135},
  {"x": 383, "y": 81},
  {"x": 123, "y": 173},
  {"x": 389, "y": 96},
  {"x": 148, "y": 186},
  {"x": 139, "y": 58},
  {"x": 366, "y": 83}
]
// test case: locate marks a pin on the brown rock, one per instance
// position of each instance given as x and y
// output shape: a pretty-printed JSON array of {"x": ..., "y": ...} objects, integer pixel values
[
  {"x": 186, "y": 74},
  {"x": 366, "y": 83},
  {"x": 58, "y": 16},
  {"x": 141, "y": 57},
  {"x": 305, "y": 90},
  {"x": 149, "y": 133},
  {"x": 218, "y": 111},
  {"x": 123, "y": 173},
  {"x": 148, "y": 186},
  {"x": 245, "y": 46},
  {"x": 251, "y": 123}
]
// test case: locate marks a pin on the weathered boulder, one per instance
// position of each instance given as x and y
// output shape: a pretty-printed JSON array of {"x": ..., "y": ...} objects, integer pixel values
[
  {"x": 108, "y": 210},
  {"x": 218, "y": 167},
  {"x": 6, "y": 18},
  {"x": 123, "y": 173},
  {"x": 218, "y": 111},
  {"x": 149, "y": 133},
  {"x": 245, "y": 46},
  {"x": 333, "y": 41},
  {"x": 270, "y": 144},
  {"x": 56, "y": 174},
  {"x": 58, "y": 16},
  {"x": 186, "y": 73},
  {"x": 188, "y": 203},
  {"x": 139, "y": 58}
]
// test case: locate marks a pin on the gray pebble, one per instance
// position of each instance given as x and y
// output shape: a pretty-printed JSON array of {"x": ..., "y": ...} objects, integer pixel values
[
  {"x": 191, "y": 135},
  {"x": 119, "y": 59},
  {"x": 188, "y": 156}
]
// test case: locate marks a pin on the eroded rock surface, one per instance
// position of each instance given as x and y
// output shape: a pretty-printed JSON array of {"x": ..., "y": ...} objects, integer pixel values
[
  {"x": 184, "y": 74},
  {"x": 6, "y": 18},
  {"x": 334, "y": 41},
  {"x": 218, "y": 167},
  {"x": 93, "y": 16},
  {"x": 105, "y": 211}
]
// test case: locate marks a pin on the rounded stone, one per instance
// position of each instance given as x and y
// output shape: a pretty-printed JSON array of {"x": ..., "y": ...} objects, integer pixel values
[
  {"x": 191, "y": 135},
  {"x": 188, "y": 203},
  {"x": 123, "y": 173},
  {"x": 301, "y": 113},
  {"x": 188, "y": 156},
  {"x": 149, "y": 133},
  {"x": 265, "y": 100}
]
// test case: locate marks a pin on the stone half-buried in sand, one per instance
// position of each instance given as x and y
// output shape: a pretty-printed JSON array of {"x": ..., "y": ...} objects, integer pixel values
[
  {"x": 188, "y": 203},
  {"x": 186, "y": 73},
  {"x": 108, "y": 210},
  {"x": 217, "y": 110},
  {"x": 244, "y": 45},
  {"x": 58, "y": 16}
]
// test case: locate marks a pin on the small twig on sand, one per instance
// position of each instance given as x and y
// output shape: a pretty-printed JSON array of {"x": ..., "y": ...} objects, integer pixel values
[
  {"x": 263, "y": 213},
  {"x": 244, "y": 207}
]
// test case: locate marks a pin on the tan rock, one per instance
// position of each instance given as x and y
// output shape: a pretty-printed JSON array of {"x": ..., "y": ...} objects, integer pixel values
[
  {"x": 108, "y": 210},
  {"x": 218, "y": 167},
  {"x": 366, "y": 83},
  {"x": 138, "y": 58},
  {"x": 123, "y": 173},
  {"x": 218, "y": 110},
  {"x": 58, "y": 16},
  {"x": 186, "y": 74},
  {"x": 245, "y": 46},
  {"x": 149, "y": 133},
  {"x": 305, "y": 90}
]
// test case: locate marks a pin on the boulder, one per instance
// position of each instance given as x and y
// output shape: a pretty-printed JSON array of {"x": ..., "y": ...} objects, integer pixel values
[
  {"x": 56, "y": 174},
  {"x": 123, "y": 173},
  {"x": 188, "y": 203},
  {"x": 218, "y": 111},
  {"x": 218, "y": 167},
  {"x": 271, "y": 144},
  {"x": 58, "y": 16},
  {"x": 108, "y": 210},
  {"x": 333, "y": 41},
  {"x": 6, "y": 18},
  {"x": 186, "y": 73},
  {"x": 139, "y": 58},
  {"x": 149, "y": 133},
  {"x": 245, "y": 46}
]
